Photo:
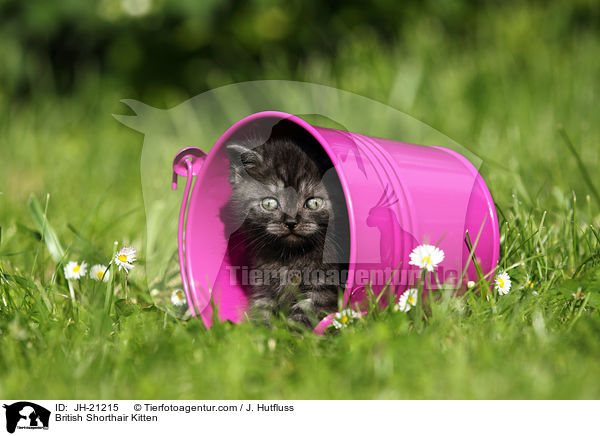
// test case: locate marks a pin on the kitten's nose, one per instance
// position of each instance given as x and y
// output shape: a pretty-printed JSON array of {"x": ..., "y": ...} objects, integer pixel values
[{"x": 290, "y": 224}]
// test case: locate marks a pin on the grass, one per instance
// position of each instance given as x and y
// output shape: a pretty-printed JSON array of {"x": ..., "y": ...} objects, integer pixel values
[{"x": 502, "y": 93}]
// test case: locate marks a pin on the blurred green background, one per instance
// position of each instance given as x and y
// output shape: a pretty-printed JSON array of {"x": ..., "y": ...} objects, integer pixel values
[{"x": 498, "y": 77}]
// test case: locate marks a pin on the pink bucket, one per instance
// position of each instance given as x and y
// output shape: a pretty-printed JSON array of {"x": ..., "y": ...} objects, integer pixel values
[{"x": 397, "y": 195}]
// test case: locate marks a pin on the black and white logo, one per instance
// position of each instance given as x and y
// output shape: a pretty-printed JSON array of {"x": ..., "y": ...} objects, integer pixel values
[{"x": 26, "y": 415}]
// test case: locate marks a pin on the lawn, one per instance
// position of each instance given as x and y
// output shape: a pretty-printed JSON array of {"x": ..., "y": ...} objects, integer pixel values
[{"x": 517, "y": 87}]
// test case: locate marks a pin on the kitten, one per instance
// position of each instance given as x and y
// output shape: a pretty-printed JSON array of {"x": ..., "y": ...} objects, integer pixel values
[{"x": 288, "y": 212}]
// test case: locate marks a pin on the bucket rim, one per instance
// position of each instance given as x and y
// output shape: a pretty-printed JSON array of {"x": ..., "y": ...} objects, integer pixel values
[{"x": 332, "y": 157}]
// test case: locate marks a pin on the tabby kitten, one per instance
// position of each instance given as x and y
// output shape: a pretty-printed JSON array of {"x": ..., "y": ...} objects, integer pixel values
[{"x": 278, "y": 191}]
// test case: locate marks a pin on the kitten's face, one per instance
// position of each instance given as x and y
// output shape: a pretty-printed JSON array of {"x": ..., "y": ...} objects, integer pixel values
[
  {"x": 279, "y": 191},
  {"x": 293, "y": 217}
]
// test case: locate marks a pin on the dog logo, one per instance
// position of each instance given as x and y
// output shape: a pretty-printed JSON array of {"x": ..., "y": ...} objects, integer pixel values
[{"x": 26, "y": 415}]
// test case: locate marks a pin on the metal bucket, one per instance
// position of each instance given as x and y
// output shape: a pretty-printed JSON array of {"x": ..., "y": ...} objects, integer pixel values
[{"x": 397, "y": 197}]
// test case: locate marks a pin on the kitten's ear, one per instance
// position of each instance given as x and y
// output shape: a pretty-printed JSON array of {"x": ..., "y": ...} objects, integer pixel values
[{"x": 241, "y": 159}]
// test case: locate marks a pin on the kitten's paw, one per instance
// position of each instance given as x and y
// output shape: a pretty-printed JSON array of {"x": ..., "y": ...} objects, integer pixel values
[
  {"x": 261, "y": 310},
  {"x": 302, "y": 320}
]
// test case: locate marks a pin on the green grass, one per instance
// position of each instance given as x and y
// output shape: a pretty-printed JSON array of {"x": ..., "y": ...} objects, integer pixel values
[
  {"x": 516, "y": 346},
  {"x": 502, "y": 93}
]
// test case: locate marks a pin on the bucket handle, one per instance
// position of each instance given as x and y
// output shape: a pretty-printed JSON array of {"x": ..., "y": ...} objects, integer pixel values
[{"x": 187, "y": 163}]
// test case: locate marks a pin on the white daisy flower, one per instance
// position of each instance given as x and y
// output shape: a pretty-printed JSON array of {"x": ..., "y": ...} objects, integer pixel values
[
  {"x": 470, "y": 284},
  {"x": 97, "y": 273},
  {"x": 178, "y": 297},
  {"x": 503, "y": 283},
  {"x": 426, "y": 257},
  {"x": 343, "y": 318},
  {"x": 75, "y": 270},
  {"x": 407, "y": 301},
  {"x": 125, "y": 258}
]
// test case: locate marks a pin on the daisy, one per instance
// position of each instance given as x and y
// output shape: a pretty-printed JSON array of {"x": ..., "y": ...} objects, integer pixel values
[
  {"x": 426, "y": 257},
  {"x": 407, "y": 300},
  {"x": 503, "y": 283},
  {"x": 343, "y": 318},
  {"x": 178, "y": 297},
  {"x": 97, "y": 273},
  {"x": 74, "y": 270},
  {"x": 125, "y": 258}
]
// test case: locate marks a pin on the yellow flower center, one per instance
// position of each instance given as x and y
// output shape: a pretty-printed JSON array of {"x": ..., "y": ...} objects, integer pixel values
[
  {"x": 426, "y": 259},
  {"x": 501, "y": 283},
  {"x": 345, "y": 319},
  {"x": 411, "y": 300},
  {"x": 76, "y": 268},
  {"x": 100, "y": 274},
  {"x": 123, "y": 258}
]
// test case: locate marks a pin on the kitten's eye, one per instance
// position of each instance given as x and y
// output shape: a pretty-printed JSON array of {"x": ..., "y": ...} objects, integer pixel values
[
  {"x": 314, "y": 203},
  {"x": 269, "y": 203}
]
